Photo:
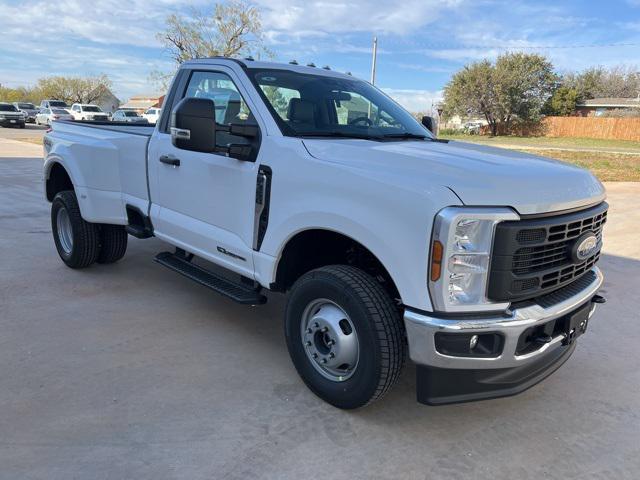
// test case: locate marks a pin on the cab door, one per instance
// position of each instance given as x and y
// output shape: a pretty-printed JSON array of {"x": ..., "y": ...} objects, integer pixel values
[{"x": 206, "y": 204}]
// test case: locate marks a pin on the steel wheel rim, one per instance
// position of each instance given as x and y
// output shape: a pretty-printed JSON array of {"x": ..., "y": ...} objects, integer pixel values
[
  {"x": 65, "y": 232},
  {"x": 330, "y": 340}
]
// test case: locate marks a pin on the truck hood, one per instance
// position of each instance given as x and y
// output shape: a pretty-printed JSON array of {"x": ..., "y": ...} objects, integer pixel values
[{"x": 479, "y": 175}]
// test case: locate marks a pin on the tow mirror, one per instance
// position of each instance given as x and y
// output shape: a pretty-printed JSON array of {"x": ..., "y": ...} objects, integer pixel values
[
  {"x": 429, "y": 124},
  {"x": 193, "y": 125}
]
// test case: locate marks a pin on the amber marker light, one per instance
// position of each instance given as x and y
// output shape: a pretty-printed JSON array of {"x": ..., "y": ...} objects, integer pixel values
[{"x": 436, "y": 260}]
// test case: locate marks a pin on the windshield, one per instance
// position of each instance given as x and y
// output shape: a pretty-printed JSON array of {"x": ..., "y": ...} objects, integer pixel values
[
  {"x": 130, "y": 114},
  {"x": 28, "y": 106},
  {"x": 91, "y": 108},
  {"x": 59, "y": 111},
  {"x": 57, "y": 103},
  {"x": 7, "y": 108},
  {"x": 323, "y": 106}
]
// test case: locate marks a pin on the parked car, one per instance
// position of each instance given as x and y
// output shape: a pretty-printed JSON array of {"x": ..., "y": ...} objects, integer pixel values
[
  {"x": 10, "y": 116},
  {"x": 28, "y": 109},
  {"x": 472, "y": 128},
  {"x": 128, "y": 116},
  {"x": 82, "y": 111},
  {"x": 152, "y": 114},
  {"x": 482, "y": 262},
  {"x": 48, "y": 115},
  {"x": 53, "y": 103}
]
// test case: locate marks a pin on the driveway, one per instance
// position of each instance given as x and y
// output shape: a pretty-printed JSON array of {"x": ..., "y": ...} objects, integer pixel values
[{"x": 132, "y": 371}]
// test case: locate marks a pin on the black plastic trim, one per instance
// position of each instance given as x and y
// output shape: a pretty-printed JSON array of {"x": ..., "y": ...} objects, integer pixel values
[
  {"x": 263, "y": 221},
  {"x": 102, "y": 125},
  {"x": 443, "y": 386}
]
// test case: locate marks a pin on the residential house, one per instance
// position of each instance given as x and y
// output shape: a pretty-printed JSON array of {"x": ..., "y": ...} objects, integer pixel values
[{"x": 595, "y": 107}]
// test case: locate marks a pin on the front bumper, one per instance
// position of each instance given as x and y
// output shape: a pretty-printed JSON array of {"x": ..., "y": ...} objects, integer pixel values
[
  {"x": 11, "y": 122},
  {"x": 449, "y": 379}
]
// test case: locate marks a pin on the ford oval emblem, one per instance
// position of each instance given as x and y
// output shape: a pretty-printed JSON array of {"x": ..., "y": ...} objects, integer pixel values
[{"x": 585, "y": 247}]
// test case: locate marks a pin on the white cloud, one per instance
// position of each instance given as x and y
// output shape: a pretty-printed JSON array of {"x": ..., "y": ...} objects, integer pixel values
[
  {"x": 415, "y": 100},
  {"x": 354, "y": 16}
]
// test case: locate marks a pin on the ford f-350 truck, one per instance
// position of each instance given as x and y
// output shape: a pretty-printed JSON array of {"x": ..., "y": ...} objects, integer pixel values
[{"x": 480, "y": 262}]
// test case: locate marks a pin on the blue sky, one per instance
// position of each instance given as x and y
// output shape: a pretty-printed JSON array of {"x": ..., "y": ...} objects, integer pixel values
[{"x": 421, "y": 42}]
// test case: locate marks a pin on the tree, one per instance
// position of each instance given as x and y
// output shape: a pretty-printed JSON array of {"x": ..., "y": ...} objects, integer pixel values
[
  {"x": 232, "y": 30},
  {"x": 598, "y": 82},
  {"x": 563, "y": 102},
  {"x": 74, "y": 89},
  {"x": 517, "y": 86}
]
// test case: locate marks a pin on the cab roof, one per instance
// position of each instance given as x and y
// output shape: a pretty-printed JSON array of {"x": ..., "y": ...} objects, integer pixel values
[{"x": 257, "y": 64}]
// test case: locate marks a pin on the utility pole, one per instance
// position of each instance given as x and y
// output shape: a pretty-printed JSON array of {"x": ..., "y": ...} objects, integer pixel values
[
  {"x": 373, "y": 63},
  {"x": 373, "y": 68}
]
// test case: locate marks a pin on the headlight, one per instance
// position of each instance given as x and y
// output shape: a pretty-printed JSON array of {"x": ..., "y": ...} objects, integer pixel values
[{"x": 460, "y": 258}]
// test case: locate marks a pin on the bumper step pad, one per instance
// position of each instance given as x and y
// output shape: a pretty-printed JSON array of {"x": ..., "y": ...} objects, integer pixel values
[{"x": 236, "y": 291}]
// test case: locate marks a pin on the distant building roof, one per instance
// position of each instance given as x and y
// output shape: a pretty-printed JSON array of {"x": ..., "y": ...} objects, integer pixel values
[
  {"x": 144, "y": 101},
  {"x": 611, "y": 102}
]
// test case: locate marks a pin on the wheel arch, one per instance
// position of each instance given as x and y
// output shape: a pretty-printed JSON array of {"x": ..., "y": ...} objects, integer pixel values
[
  {"x": 313, "y": 248},
  {"x": 57, "y": 179}
]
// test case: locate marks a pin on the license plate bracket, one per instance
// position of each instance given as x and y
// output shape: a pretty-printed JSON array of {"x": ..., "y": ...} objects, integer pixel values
[{"x": 577, "y": 323}]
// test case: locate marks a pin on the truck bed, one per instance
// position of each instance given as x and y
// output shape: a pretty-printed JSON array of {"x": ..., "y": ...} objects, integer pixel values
[{"x": 108, "y": 165}]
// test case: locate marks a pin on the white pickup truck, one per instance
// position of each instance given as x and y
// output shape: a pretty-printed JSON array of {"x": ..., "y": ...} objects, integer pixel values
[{"x": 278, "y": 177}]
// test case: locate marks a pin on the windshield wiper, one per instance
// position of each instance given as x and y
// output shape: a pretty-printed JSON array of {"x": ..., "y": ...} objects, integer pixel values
[
  {"x": 336, "y": 134},
  {"x": 405, "y": 135}
]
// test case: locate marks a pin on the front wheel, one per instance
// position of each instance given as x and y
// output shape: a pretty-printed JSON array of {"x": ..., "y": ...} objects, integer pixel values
[
  {"x": 345, "y": 335},
  {"x": 76, "y": 240}
]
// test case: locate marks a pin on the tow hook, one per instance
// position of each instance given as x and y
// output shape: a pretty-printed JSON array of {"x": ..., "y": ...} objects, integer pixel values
[{"x": 598, "y": 299}]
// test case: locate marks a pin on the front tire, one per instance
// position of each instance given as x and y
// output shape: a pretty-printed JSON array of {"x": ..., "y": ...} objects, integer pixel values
[
  {"x": 76, "y": 240},
  {"x": 345, "y": 335}
]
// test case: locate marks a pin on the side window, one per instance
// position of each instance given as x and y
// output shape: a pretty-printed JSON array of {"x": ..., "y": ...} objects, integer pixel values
[{"x": 217, "y": 86}]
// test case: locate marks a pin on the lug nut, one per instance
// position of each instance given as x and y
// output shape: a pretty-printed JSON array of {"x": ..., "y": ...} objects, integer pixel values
[
  {"x": 315, "y": 355},
  {"x": 316, "y": 324},
  {"x": 308, "y": 344},
  {"x": 331, "y": 355},
  {"x": 331, "y": 342},
  {"x": 324, "y": 330},
  {"x": 324, "y": 360},
  {"x": 309, "y": 330}
]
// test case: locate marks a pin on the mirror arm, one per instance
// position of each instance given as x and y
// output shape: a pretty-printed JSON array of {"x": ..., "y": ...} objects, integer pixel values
[
  {"x": 235, "y": 150},
  {"x": 247, "y": 131}
]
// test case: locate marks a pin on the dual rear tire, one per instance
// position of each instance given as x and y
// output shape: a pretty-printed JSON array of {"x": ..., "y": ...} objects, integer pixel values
[{"x": 80, "y": 243}]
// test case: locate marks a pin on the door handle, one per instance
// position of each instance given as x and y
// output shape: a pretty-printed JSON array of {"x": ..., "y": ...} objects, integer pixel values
[{"x": 170, "y": 160}]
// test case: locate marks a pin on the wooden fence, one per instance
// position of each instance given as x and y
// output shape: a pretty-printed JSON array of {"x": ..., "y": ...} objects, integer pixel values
[{"x": 593, "y": 127}]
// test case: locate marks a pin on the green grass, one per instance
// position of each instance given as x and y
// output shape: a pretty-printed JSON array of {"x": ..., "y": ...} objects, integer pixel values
[
  {"x": 608, "y": 167},
  {"x": 550, "y": 142}
]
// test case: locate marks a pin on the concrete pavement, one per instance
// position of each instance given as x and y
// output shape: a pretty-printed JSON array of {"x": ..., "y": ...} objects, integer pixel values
[
  {"x": 132, "y": 371},
  {"x": 30, "y": 131}
]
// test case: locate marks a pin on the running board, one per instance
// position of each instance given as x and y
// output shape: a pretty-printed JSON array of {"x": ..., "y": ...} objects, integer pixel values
[{"x": 235, "y": 291}]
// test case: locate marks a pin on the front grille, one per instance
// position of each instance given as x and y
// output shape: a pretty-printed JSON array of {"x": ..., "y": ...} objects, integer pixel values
[{"x": 532, "y": 257}]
